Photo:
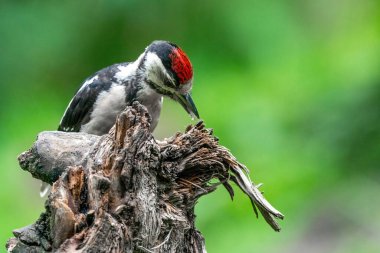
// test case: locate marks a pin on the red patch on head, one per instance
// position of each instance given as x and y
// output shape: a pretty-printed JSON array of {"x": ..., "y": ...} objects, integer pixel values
[{"x": 181, "y": 65}]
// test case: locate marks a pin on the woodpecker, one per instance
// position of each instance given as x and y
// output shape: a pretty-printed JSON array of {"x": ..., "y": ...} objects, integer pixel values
[{"x": 163, "y": 69}]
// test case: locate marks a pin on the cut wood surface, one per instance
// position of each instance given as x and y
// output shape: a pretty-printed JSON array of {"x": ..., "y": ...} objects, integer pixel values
[{"x": 126, "y": 192}]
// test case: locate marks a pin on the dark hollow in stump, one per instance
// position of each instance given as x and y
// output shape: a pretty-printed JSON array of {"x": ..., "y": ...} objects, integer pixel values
[{"x": 124, "y": 192}]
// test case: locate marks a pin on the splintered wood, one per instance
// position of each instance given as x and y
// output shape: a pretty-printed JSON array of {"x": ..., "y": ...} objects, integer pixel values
[{"x": 124, "y": 192}]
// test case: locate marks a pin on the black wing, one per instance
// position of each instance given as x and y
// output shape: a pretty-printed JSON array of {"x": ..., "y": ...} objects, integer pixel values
[{"x": 81, "y": 106}]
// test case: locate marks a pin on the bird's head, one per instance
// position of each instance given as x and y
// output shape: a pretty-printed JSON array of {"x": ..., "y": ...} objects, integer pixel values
[{"x": 169, "y": 72}]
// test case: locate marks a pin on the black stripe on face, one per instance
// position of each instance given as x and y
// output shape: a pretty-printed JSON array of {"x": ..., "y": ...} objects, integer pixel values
[{"x": 158, "y": 88}]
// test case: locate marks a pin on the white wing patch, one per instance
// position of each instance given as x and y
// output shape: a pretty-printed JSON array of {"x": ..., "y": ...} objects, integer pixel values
[
  {"x": 87, "y": 82},
  {"x": 90, "y": 80}
]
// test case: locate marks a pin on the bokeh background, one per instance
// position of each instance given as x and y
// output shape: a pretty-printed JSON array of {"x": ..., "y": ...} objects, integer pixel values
[{"x": 292, "y": 88}]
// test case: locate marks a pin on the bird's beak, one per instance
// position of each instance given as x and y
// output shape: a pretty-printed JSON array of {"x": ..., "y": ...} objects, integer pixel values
[{"x": 187, "y": 102}]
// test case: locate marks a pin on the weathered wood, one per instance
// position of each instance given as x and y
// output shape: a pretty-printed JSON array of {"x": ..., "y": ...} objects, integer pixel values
[{"x": 124, "y": 192}]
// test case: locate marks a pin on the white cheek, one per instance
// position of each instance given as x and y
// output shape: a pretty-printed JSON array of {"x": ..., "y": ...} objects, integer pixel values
[{"x": 155, "y": 68}]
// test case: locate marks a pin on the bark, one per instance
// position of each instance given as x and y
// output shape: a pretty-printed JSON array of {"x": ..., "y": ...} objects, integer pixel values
[{"x": 126, "y": 192}]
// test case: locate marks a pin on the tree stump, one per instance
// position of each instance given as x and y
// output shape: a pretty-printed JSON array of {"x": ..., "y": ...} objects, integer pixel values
[{"x": 125, "y": 192}]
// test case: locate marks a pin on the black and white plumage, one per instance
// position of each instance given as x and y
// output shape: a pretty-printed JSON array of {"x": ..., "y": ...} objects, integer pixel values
[{"x": 163, "y": 69}]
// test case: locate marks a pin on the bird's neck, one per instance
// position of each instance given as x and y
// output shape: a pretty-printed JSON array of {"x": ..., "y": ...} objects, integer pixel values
[
  {"x": 152, "y": 100},
  {"x": 135, "y": 76},
  {"x": 138, "y": 75},
  {"x": 146, "y": 94},
  {"x": 146, "y": 70}
]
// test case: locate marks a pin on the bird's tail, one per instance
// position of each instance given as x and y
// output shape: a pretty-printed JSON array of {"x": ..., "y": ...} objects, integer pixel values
[{"x": 45, "y": 188}]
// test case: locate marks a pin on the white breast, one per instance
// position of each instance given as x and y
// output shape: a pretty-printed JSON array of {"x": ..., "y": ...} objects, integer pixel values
[{"x": 107, "y": 106}]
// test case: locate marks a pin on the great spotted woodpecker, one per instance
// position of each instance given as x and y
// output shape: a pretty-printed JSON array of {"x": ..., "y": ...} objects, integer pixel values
[{"x": 163, "y": 69}]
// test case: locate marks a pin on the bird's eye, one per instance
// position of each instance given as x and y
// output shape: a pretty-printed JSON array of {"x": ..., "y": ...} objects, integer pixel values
[{"x": 181, "y": 65}]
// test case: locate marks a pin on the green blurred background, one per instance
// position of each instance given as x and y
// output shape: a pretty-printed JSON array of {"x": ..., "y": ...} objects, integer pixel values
[{"x": 292, "y": 88}]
